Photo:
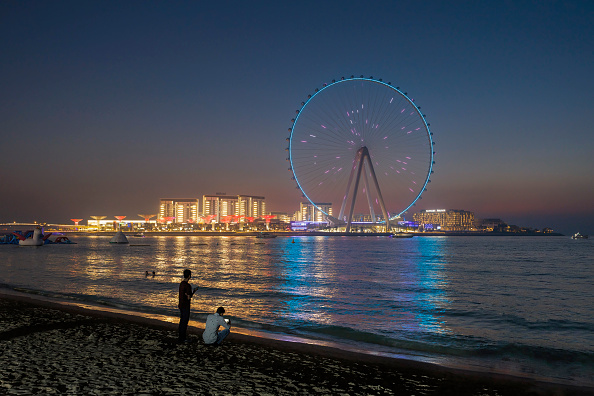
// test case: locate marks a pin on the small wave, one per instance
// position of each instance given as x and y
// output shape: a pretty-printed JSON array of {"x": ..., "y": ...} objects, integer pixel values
[
  {"x": 546, "y": 325},
  {"x": 532, "y": 353},
  {"x": 507, "y": 320},
  {"x": 404, "y": 342}
]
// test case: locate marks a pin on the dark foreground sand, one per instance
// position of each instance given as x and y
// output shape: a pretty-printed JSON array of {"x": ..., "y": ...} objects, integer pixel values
[{"x": 48, "y": 348}]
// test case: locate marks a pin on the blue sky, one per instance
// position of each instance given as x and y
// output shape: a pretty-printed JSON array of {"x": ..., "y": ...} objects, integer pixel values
[{"x": 106, "y": 107}]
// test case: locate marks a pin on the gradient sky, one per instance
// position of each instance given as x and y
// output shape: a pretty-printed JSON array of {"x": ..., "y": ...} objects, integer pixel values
[{"x": 106, "y": 107}]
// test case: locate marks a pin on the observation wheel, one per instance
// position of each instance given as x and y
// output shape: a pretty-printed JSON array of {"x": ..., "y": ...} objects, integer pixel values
[{"x": 360, "y": 149}]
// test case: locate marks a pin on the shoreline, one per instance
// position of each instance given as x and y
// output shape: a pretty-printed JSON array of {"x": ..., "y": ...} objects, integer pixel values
[
  {"x": 382, "y": 374},
  {"x": 289, "y": 234}
]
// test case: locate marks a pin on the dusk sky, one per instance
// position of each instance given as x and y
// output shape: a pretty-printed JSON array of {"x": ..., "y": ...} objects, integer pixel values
[{"x": 106, "y": 107}]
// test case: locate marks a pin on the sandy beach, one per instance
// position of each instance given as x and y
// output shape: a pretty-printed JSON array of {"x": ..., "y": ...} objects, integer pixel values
[{"x": 50, "y": 348}]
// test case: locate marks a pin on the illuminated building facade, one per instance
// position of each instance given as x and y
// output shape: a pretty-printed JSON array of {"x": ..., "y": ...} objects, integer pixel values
[
  {"x": 282, "y": 217},
  {"x": 447, "y": 220},
  {"x": 184, "y": 210},
  {"x": 308, "y": 212},
  {"x": 366, "y": 218},
  {"x": 221, "y": 205},
  {"x": 108, "y": 225}
]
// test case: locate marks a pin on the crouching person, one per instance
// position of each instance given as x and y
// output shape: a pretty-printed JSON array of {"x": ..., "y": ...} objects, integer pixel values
[{"x": 211, "y": 335}]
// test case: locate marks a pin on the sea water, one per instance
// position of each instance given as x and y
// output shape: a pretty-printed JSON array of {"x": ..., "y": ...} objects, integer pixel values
[{"x": 516, "y": 305}]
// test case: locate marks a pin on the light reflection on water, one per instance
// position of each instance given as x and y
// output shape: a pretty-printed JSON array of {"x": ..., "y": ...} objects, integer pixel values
[
  {"x": 295, "y": 283},
  {"x": 439, "y": 295}
]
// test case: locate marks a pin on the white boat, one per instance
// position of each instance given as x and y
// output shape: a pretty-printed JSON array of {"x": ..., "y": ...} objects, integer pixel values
[
  {"x": 35, "y": 240},
  {"x": 577, "y": 235}
]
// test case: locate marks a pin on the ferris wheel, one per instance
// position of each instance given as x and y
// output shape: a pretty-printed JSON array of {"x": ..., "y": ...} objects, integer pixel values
[{"x": 360, "y": 136}]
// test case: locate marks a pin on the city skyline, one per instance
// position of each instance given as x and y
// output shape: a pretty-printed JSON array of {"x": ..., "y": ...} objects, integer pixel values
[
  {"x": 108, "y": 108},
  {"x": 198, "y": 214}
]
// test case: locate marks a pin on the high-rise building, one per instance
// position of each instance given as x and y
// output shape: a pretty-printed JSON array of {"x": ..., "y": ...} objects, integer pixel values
[
  {"x": 309, "y": 212},
  {"x": 221, "y": 205},
  {"x": 447, "y": 220},
  {"x": 181, "y": 210}
]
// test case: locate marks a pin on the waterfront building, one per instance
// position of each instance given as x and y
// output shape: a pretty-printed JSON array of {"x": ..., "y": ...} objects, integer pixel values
[
  {"x": 113, "y": 225},
  {"x": 309, "y": 212},
  {"x": 222, "y": 205},
  {"x": 179, "y": 210},
  {"x": 282, "y": 217},
  {"x": 367, "y": 218},
  {"x": 446, "y": 220},
  {"x": 489, "y": 224}
]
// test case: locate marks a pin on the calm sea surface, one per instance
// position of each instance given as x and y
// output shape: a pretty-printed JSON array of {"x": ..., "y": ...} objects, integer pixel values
[{"x": 518, "y": 305}]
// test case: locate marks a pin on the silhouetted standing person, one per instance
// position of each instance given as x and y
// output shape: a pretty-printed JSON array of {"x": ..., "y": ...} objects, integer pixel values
[{"x": 185, "y": 298}]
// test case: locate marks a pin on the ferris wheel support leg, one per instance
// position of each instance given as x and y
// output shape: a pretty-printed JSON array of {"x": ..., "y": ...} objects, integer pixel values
[
  {"x": 369, "y": 200},
  {"x": 346, "y": 193},
  {"x": 379, "y": 193},
  {"x": 350, "y": 219}
]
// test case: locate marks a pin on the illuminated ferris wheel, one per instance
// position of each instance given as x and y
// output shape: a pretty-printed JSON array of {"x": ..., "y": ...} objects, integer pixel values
[{"x": 360, "y": 137}]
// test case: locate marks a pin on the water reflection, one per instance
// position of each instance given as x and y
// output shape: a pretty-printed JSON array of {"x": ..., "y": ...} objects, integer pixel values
[
  {"x": 513, "y": 298},
  {"x": 301, "y": 271},
  {"x": 315, "y": 284},
  {"x": 430, "y": 271},
  {"x": 364, "y": 284}
]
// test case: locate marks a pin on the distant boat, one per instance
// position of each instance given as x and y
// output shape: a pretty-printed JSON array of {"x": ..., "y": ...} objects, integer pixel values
[
  {"x": 577, "y": 235},
  {"x": 401, "y": 235},
  {"x": 140, "y": 235},
  {"x": 265, "y": 235},
  {"x": 63, "y": 240}
]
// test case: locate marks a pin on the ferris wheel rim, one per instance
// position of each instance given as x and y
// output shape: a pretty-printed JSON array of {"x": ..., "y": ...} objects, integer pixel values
[{"x": 404, "y": 95}]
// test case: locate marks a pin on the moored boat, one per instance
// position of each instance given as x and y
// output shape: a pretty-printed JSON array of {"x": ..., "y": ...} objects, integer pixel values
[
  {"x": 577, "y": 235},
  {"x": 35, "y": 239},
  {"x": 265, "y": 235},
  {"x": 63, "y": 240},
  {"x": 9, "y": 239},
  {"x": 401, "y": 235}
]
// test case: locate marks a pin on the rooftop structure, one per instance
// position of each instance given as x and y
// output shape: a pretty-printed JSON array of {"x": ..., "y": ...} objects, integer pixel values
[
  {"x": 147, "y": 217},
  {"x": 97, "y": 221}
]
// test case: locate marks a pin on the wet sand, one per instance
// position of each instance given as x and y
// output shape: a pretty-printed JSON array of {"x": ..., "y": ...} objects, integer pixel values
[{"x": 50, "y": 348}]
